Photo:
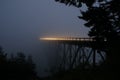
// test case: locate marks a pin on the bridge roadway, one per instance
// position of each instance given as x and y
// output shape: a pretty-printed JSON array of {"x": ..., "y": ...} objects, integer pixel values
[
  {"x": 86, "y": 42},
  {"x": 66, "y": 39}
]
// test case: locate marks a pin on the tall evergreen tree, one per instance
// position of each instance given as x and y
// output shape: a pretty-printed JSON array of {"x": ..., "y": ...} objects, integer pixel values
[{"x": 103, "y": 18}]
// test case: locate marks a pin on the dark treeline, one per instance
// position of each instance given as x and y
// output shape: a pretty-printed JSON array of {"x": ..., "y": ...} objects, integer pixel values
[{"x": 17, "y": 67}]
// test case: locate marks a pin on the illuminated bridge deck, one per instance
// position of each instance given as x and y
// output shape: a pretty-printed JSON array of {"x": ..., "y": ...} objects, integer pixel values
[{"x": 69, "y": 40}]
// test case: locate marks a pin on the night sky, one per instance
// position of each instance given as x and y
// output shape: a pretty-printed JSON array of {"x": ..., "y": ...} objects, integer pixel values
[{"x": 23, "y": 22}]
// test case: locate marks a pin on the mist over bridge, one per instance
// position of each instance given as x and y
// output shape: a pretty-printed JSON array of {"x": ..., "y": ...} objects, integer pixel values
[{"x": 75, "y": 51}]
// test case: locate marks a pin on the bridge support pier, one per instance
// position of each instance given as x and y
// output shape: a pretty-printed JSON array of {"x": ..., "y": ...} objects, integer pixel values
[{"x": 73, "y": 56}]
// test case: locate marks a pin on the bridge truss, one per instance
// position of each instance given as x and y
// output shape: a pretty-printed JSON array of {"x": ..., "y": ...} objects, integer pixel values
[{"x": 77, "y": 52}]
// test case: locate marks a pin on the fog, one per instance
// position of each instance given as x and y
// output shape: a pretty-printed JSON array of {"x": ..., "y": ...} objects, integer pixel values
[{"x": 23, "y": 22}]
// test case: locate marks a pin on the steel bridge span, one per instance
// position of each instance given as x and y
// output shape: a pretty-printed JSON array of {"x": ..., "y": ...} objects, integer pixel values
[{"x": 77, "y": 52}]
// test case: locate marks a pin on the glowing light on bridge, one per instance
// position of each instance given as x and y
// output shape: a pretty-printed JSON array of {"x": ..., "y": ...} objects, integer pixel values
[
  {"x": 66, "y": 39},
  {"x": 52, "y": 39}
]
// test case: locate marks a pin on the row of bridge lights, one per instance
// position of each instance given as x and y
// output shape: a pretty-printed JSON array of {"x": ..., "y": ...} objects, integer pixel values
[{"x": 66, "y": 39}]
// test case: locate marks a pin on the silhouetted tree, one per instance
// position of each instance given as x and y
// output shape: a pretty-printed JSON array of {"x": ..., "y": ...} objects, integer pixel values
[
  {"x": 3, "y": 56},
  {"x": 103, "y": 18},
  {"x": 3, "y": 63},
  {"x": 17, "y": 67}
]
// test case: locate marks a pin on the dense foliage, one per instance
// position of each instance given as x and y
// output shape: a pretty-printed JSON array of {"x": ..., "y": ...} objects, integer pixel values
[
  {"x": 102, "y": 16},
  {"x": 103, "y": 19},
  {"x": 16, "y": 67}
]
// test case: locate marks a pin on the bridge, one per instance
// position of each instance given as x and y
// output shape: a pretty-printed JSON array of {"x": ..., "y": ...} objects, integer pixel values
[{"x": 76, "y": 52}]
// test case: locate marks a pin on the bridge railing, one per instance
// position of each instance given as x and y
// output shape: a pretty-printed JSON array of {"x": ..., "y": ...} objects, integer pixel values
[{"x": 66, "y": 39}]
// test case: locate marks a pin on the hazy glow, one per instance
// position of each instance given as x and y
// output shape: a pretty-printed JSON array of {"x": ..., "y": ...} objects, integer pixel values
[
  {"x": 65, "y": 39},
  {"x": 52, "y": 39}
]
